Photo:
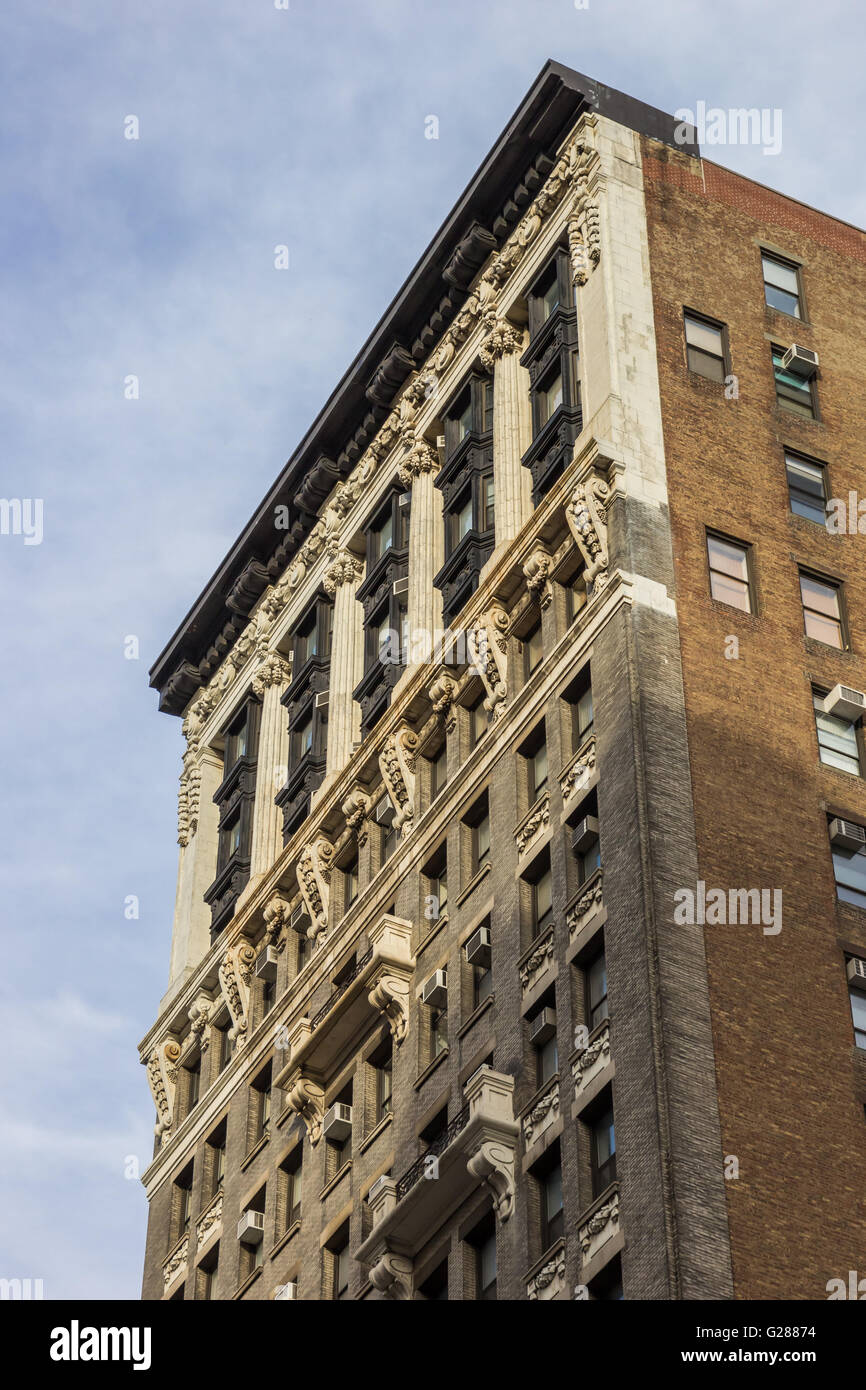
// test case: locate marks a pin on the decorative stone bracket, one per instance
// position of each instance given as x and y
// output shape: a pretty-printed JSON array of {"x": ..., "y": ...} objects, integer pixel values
[
  {"x": 536, "y": 571},
  {"x": 314, "y": 882},
  {"x": 306, "y": 1097},
  {"x": 441, "y": 694},
  {"x": 356, "y": 809},
  {"x": 276, "y": 916},
  {"x": 488, "y": 652},
  {"x": 199, "y": 1016},
  {"x": 235, "y": 975},
  {"x": 162, "y": 1078},
  {"x": 586, "y": 513},
  {"x": 391, "y": 1276},
  {"x": 397, "y": 765}
]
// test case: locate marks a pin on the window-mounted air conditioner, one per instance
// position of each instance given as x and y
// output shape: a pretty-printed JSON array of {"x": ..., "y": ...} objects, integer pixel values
[
  {"x": 435, "y": 991},
  {"x": 337, "y": 1124},
  {"x": 845, "y": 703},
  {"x": 404, "y": 499},
  {"x": 856, "y": 971},
  {"x": 800, "y": 361},
  {"x": 320, "y": 701},
  {"x": 584, "y": 833},
  {"x": 283, "y": 1291},
  {"x": 478, "y": 950},
  {"x": 300, "y": 919},
  {"x": 266, "y": 963},
  {"x": 377, "y": 1186},
  {"x": 251, "y": 1227},
  {"x": 400, "y": 586},
  {"x": 543, "y": 1027},
  {"x": 845, "y": 834},
  {"x": 384, "y": 812}
]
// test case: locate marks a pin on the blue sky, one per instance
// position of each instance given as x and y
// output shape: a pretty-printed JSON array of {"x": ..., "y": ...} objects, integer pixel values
[{"x": 155, "y": 258}]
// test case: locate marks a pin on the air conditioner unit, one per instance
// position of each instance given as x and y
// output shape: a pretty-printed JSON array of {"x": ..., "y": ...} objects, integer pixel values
[
  {"x": 856, "y": 971},
  {"x": 845, "y": 703},
  {"x": 435, "y": 991},
  {"x": 266, "y": 963},
  {"x": 377, "y": 1186},
  {"x": 321, "y": 700},
  {"x": 384, "y": 812},
  {"x": 404, "y": 499},
  {"x": 584, "y": 833},
  {"x": 337, "y": 1124},
  {"x": 478, "y": 947},
  {"x": 440, "y": 442},
  {"x": 283, "y": 1291},
  {"x": 846, "y": 835},
  {"x": 400, "y": 587},
  {"x": 543, "y": 1027},
  {"x": 800, "y": 361},
  {"x": 251, "y": 1227},
  {"x": 300, "y": 920}
]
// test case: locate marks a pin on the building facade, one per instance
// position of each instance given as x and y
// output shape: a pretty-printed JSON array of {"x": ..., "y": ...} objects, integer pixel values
[{"x": 519, "y": 942}]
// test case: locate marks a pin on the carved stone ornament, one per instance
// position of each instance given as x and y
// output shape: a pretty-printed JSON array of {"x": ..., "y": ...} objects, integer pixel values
[
  {"x": 390, "y": 995},
  {"x": 356, "y": 809},
  {"x": 235, "y": 975},
  {"x": 162, "y": 1079},
  {"x": 307, "y": 1099},
  {"x": 189, "y": 791},
  {"x": 578, "y": 771},
  {"x": 586, "y": 513},
  {"x": 274, "y": 670},
  {"x": 276, "y": 917},
  {"x": 535, "y": 823},
  {"x": 344, "y": 568},
  {"x": 493, "y": 1164},
  {"x": 210, "y": 1222},
  {"x": 605, "y": 1219},
  {"x": 503, "y": 340},
  {"x": 421, "y": 458},
  {"x": 542, "y": 1115},
  {"x": 391, "y": 1276},
  {"x": 397, "y": 765},
  {"x": 550, "y": 1279},
  {"x": 314, "y": 882},
  {"x": 441, "y": 695},
  {"x": 176, "y": 1263},
  {"x": 488, "y": 652},
  {"x": 538, "y": 961},
  {"x": 598, "y": 1051},
  {"x": 536, "y": 571},
  {"x": 588, "y": 903},
  {"x": 199, "y": 1017}
]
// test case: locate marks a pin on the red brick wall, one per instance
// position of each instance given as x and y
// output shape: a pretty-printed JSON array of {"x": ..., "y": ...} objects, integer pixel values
[{"x": 791, "y": 1086}]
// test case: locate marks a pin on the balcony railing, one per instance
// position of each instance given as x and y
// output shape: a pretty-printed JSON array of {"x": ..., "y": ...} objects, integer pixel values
[
  {"x": 341, "y": 989},
  {"x": 438, "y": 1146}
]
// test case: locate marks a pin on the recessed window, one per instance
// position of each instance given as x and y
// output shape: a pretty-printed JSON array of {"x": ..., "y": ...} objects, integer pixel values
[
  {"x": 435, "y": 874},
  {"x": 781, "y": 285},
  {"x": 822, "y": 613},
  {"x": 261, "y": 1104},
  {"x": 439, "y": 771},
  {"x": 207, "y": 1274},
  {"x": 533, "y": 650},
  {"x": 549, "y": 397},
  {"x": 729, "y": 572},
  {"x": 838, "y": 744},
  {"x": 388, "y": 842},
  {"x": 183, "y": 1201},
  {"x": 807, "y": 488},
  {"x": 483, "y": 1241},
  {"x": 540, "y": 880},
  {"x": 536, "y": 762},
  {"x": 478, "y": 720},
  {"x": 230, "y": 838},
  {"x": 216, "y": 1153},
  {"x": 552, "y": 1223},
  {"x": 193, "y": 1084},
  {"x": 438, "y": 1031},
  {"x": 596, "y": 991},
  {"x": 705, "y": 347},
  {"x": 291, "y": 1170},
  {"x": 382, "y": 1063},
  {"x": 380, "y": 536},
  {"x": 544, "y": 1042},
  {"x": 849, "y": 869},
  {"x": 226, "y": 1045},
  {"x": 602, "y": 1151},
  {"x": 237, "y": 741},
  {"x": 461, "y": 521},
  {"x": 302, "y": 738},
  {"x": 858, "y": 1014},
  {"x": 794, "y": 392},
  {"x": 478, "y": 821}
]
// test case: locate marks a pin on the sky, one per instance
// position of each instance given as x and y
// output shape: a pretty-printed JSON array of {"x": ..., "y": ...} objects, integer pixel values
[{"x": 258, "y": 126}]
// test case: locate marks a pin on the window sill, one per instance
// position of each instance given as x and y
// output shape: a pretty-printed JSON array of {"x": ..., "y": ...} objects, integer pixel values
[
  {"x": 248, "y": 1282},
  {"x": 257, "y": 1148},
  {"x": 429, "y": 1070},
  {"x": 335, "y": 1180},
  {"x": 476, "y": 1014},
  {"x": 285, "y": 1238},
  {"x": 376, "y": 1131},
  {"x": 431, "y": 935},
  {"x": 473, "y": 884}
]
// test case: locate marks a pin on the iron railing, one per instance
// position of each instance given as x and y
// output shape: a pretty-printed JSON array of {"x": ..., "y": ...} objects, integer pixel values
[
  {"x": 438, "y": 1146},
  {"x": 341, "y": 989}
]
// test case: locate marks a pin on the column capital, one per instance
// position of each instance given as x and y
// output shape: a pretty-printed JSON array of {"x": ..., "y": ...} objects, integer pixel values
[
  {"x": 344, "y": 568},
  {"x": 421, "y": 458},
  {"x": 274, "y": 670},
  {"x": 503, "y": 340}
]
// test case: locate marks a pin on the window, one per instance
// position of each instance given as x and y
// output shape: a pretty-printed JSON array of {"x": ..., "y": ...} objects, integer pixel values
[
  {"x": 465, "y": 481},
  {"x": 235, "y": 797},
  {"x": 380, "y": 537},
  {"x": 226, "y": 1045},
  {"x": 183, "y": 1202},
  {"x": 488, "y": 503},
  {"x": 382, "y": 1062},
  {"x": 339, "y": 1147},
  {"x": 350, "y": 883},
  {"x": 230, "y": 838},
  {"x": 482, "y": 984},
  {"x": 545, "y": 298},
  {"x": 534, "y": 753},
  {"x": 543, "y": 1029},
  {"x": 216, "y": 1154},
  {"x": 596, "y": 991},
  {"x": 435, "y": 1286},
  {"x": 838, "y": 745},
  {"x": 540, "y": 882},
  {"x": 269, "y": 995},
  {"x": 550, "y": 397},
  {"x": 341, "y": 1265},
  {"x": 821, "y": 611},
  {"x": 478, "y": 821},
  {"x": 729, "y": 572},
  {"x": 551, "y": 358},
  {"x": 478, "y": 717},
  {"x": 551, "y": 1205},
  {"x": 207, "y": 1274},
  {"x": 533, "y": 650},
  {"x": 291, "y": 1169},
  {"x": 237, "y": 740},
  {"x": 435, "y": 873},
  {"x": 439, "y": 771},
  {"x": 461, "y": 521},
  {"x": 261, "y": 1105},
  {"x": 807, "y": 488},
  {"x": 849, "y": 868},
  {"x": 578, "y": 698},
  {"x": 302, "y": 739},
  {"x": 438, "y": 1032},
  {"x": 483, "y": 1242},
  {"x": 781, "y": 285},
  {"x": 312, "y": 636},
  {"x": 387, "y": 842},
  {"x": 792, "y": 391},
  {"x": 602, "y": 1152},
  {"x": 383, "y": 597},
  {"x": 858, "y": 1015},
  {"x": 705, "y": 347},
  {"x": 193, "y": 1084},
  {"x": 253, "y": 1245}
]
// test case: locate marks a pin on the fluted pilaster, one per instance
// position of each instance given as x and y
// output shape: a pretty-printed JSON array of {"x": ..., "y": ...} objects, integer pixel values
[
  {"x": 269, "y": 683},
  {"x": 426, "y": 548},
  {"x": 512, "y": 428},
  {"x": 341, "y": 579}
]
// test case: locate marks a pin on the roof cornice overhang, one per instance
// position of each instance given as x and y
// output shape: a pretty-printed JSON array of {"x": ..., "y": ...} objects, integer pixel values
[{"x": 416, "y": 318}]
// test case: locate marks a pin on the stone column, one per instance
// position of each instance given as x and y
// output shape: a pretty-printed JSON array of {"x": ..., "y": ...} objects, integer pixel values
[
  {"x": 341, "y": 579},
  {"x": 512, "y": 427},
  {"x": 190, "y": 942},
  {"x": 269, "y": 682},
  {"x": 417, "y": 471}
]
